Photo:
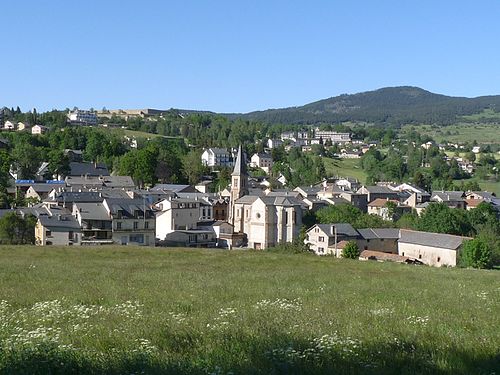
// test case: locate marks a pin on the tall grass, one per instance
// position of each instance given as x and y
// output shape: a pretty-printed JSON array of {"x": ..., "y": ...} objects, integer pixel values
[{"x": 135, "y": 310}]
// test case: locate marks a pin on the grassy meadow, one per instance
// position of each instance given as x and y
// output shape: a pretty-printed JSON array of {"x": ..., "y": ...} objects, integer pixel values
[
  {"x": 119, "y": 310},
  {"x": 344, "y": 168},
  {"x": 461, "y": 132}
]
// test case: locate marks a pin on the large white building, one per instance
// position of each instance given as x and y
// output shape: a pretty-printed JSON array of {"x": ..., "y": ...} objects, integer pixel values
[
  {"x": 334, "y": 136},
  {"x": 217, "y": 157},
  {"x": 83, "y": 117}
]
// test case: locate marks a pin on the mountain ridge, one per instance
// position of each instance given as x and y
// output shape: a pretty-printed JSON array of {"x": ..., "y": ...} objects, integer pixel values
[{"x": 390, "y": 105}]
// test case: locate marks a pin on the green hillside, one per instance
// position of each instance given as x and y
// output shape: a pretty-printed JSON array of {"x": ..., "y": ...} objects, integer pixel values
[
  {"x": 390, "y": 105},
  {"x": 117, "y": 310}
]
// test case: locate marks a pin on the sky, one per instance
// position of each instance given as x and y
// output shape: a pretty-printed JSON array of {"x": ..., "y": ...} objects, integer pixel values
[{"x": 240, "y": 56}]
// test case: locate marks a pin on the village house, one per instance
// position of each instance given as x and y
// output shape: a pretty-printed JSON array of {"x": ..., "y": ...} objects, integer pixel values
[
  {"x": 262, "y": 161},
  {"x": 434, "y": 249},
  {"x": 133, "y": 221},
  {"x": 274, "y": 143},
  {"x": 322, "y": 238},
  {"x": 388, "y": 209},
  {"x": 95, "y": 222},
  {"x": 56, "y": 226},
  {"x": 383, "y": 240},
  {"x": 9, "y": 125},
  {"x": 176, "y": 214},
  {"x": 38, "y": 129},
  {"x": 217, "y": 157},
  {"x": 452, "y": 199},
  {"x": 22, "y": 126},
  {"x": 374, "y": 192}
]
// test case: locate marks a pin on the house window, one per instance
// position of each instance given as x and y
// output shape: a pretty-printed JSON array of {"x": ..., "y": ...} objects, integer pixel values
[
  {"x": 321, "y": 249},
  {"x": 235, "y": 183},
  {"x": 136, "y": 225},
  {"x": 439, "y": 259},
  {"x": 321, "y": 239},
  {"x": 118, "y": 225},
  {"x": 403, "y": 253},
  {"x": 48, "y": 233},
  {"x": 286, "y": 218},
  {"x": 146, "y": 225},
  {"x": 419, "y": 256}
]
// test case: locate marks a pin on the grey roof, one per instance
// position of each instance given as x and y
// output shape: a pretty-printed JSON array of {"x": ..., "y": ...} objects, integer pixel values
[
  {"x": 44, "y": 188},
  {"x": 281, "y": 201},
  {"x": 84, "y": 196},
  {"x": 90, "y": 169},
  {"x": 283, "y": 193},
  {"x": 443, "y": 241},
  {"x": 448, "y": 195},
  {"x": 423, "y": 205},
  {"x": 379, "y": 190},
  {"x": 337, "y": 200},
  {"x": 57, "y": 219},
  {"x": 118, "y": 181},
  {"x": 174, "y": 188},
  {"x": 344, "y": 229},
  {"x": 127, "y": 205},
  {"x": 373, "y": 233},
  {"x": 93, "y": 211},
  {"x": 247, "y": 199},
  {"x": 240, "y": 167},
  {"x": 308, "y": 190},
  {"x": 486, "y": 195},
  {"x": 83, "y": 181},
  {"x": 219, "y": 151}
]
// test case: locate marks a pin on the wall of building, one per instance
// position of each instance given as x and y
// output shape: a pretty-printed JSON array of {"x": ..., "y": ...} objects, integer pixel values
[{"x": 429, "y": 255}]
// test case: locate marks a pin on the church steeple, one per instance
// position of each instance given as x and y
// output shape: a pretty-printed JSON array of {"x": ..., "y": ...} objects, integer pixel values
[
  {"x": 239, "y": 182},
  {"x": 239, "y": 177}
]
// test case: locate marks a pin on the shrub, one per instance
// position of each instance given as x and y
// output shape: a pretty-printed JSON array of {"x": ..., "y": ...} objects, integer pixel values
[
  {"x": 351, "y": 250},
  {"x": 476, "y": 253}
]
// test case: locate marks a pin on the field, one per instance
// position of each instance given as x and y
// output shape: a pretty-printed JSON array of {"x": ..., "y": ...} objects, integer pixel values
[
  {"x": 461, "y": 132},
  {"x": 344, "y": 168},
  {"x": 119, "y": 310}
]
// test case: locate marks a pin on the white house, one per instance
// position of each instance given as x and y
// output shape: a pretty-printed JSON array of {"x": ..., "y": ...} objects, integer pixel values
[
  {"x": 176, "y": 214},
  {"x": 274, "y": 143},
  {"x": 217, "y": 157},
  {"x": 9, "y": 125},
  {"x": 38, "y": 129},
  {"x": 263, "y": 161},
  {"x": 322, "y": 238}
]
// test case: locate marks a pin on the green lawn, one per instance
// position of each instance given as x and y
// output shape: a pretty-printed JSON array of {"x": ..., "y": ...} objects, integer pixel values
[
  {"x": 344, "y": 168},
  {"x": 119, "y": 310}
]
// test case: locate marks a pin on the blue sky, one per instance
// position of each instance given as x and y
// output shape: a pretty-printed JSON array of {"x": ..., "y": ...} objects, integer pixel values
[{"x": 232, "y": 56}]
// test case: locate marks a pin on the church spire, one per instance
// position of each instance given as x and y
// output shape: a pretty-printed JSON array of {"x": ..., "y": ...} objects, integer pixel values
[
  {"x": 240, "y": 167},
  {"x": 239, "y": 182}
]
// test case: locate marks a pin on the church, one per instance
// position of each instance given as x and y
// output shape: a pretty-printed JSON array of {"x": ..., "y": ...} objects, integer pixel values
[{"x": 266, "y": 220}]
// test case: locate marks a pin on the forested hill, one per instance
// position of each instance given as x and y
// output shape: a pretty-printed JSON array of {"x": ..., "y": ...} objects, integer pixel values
[{"x": 391, "y": 105}]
